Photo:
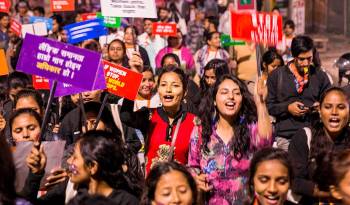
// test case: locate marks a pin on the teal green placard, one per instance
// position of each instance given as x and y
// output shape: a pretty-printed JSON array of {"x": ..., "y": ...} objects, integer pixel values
[
  {"x": 111, "y": 22},
  {"x": 227, "y": 41},
  {"x": 246, "y": 2}
]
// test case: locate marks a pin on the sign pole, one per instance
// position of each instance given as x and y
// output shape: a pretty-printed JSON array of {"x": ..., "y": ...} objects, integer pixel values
[
  {"x": 47, "y": 111},
  {"x": 81, "y": 104},
  {"x": 100, "y": 111}
]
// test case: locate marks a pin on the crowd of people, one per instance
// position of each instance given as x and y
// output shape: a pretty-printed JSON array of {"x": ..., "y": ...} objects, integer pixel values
[{"x": 203, "y": 129}]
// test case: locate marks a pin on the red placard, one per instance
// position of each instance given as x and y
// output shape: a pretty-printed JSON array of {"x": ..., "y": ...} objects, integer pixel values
[
  {"x": 16, "y": 27},
  {"x": 88, "y": 16},
  {"x": 5, "y": 6},
  {"x": 164, "y": 29},
  {"x": 122, "y": 81},
  {"x": 40, "y": 83},
  {"x": 62, "y": 5},
  {"x": 257, "y": 27}
]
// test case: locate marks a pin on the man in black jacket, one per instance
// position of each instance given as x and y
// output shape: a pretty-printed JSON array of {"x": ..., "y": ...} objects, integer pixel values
[{"x": 295, "y": 89}]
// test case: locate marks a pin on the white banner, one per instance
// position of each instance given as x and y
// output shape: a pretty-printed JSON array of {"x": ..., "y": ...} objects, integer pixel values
[
  {"x": 129, "y": 8},
  {"x": 298, "y": 16}
]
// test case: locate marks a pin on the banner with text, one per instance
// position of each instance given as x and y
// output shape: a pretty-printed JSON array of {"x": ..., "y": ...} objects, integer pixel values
[
  {"x": 129, "y": 8},
  {"x": 110, "y": 21},
  {"x": 164, "y": 29},
  {"x": 62, "y": 5},
  {"x": 64, "y": 89},
  {"x": 5, "y": 6},
  {"x": 257, "y": 27},
  {"x": 122, "y": 81},
  {"x": 40, "y": 83},
  {"x": 59, "y": 61},
  {"x": 85, "y": 30}
]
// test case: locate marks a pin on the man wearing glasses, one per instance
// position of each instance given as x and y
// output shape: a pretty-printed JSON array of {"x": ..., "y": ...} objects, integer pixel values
[{"x": 295, "y": 90}]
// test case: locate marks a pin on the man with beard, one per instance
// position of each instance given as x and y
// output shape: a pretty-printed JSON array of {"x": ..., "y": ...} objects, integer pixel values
[{"x": 294, "y": 91}]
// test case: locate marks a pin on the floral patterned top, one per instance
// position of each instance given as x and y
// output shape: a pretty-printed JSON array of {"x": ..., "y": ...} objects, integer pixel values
[{"x": 226, "y": 175}]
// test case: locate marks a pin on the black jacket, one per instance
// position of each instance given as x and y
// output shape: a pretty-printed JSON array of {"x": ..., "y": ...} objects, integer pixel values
[{"x": 282, "y": 92}]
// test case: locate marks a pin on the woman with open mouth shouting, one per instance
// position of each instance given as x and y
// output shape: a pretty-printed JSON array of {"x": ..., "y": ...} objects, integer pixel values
[
  {"x": 310, "y": 145},
  {"x": 167, "y": 128},
  {"x": 233, "y": 127}
]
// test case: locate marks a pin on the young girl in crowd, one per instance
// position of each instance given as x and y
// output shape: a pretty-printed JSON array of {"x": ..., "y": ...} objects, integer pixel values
[
  {"x": 116, "y": 53},
  {"x": 270, "y": 177},
  {"x": 212, "y": 71},
  {"x": 146, "y": 96},
  {"x": 25, "y": 125},
  {"x": 270, "y": 61},
  {"x": 232, "y": 129},
  {"x": 130, "y": 38},
  {"x": 310, "y": 145},
  {"x": 167, "y": 128},
  {"x": 97, "y": 163},
  {"x": 169, "y": 183}
]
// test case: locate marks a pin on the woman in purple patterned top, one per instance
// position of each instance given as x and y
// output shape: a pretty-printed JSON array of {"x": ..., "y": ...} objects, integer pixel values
[{"x": 232, "y": 128}]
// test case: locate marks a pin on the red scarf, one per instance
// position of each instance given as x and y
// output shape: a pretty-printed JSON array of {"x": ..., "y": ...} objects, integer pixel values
[{"x": 300, "y": 81}]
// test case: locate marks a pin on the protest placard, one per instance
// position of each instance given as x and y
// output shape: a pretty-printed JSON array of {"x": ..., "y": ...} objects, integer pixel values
[
  {"x": 62, "y": 5},
  {"x": 110, "y": 21},
  {"x": 89, "y": 29},
  {"x": 38, "y": 29},
  {"x": 88, "y": 16},
  {"x": 64, "y": 89},
  {"x": 59, "y": 61},
  {"x": 5, "y": 6},
  {"x": 16, "y": 27},
  {"x": 4, "y": 69},
  {"x": 129, "y": 8},
  {"x": 53, "y": 150},
  {"x": 164, "y": 29},
  {"x": 104, "y": 40},
  {"x": 40, "y": 83},
  {"x": 122, "y": 81},
  {"x": 37, "y": 19},
  {"x": 257, "y": 27},
  {"x": 227, "y": 41}
]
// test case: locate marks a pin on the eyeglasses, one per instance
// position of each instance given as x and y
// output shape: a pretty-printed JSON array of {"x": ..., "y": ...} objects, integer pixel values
[{"x": 304, "y": 58}]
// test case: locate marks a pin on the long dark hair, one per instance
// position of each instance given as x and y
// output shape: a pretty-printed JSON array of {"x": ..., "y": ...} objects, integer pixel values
[
  {"x": 263, "y": 155},
  {"x": 30, "y": 93},
  {"x": 220, "y": 68},
  {"x": 7, "y": 173},
  {"x": 246, "y": 115},
  {"x": 320, "y": 142},
  {"x": 332, "y": 169},
  {"x": 157, "y": 172},
  {"x": 268, "y": 58},
  {"x": 101, "y": 147}
]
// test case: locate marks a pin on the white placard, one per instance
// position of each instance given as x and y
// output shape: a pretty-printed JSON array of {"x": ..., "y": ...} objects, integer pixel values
[
  {"x": 38, "y": 29},
  {"x": 298, "y": 16},
  {"x": 129, "y": 8},
  {"x": 107, "y": 39}
]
